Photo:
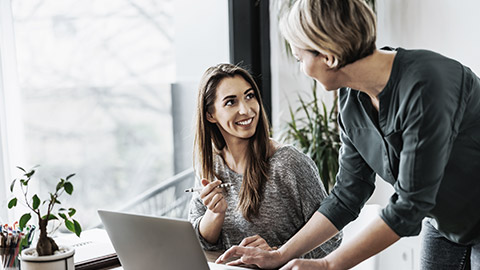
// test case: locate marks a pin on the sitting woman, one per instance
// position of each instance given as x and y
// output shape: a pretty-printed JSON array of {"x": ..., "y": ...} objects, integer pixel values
[{"x": 274, "y": 189}]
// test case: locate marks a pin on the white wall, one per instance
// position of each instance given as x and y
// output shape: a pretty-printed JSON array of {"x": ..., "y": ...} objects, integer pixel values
[
  {"x": 201, "y": 37},
  {"x": 449, "y": 27}
]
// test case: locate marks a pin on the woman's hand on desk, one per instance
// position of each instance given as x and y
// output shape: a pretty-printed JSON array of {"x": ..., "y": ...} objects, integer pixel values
[
  {"x": 306, "y": 264},
  {"x": 268, "y": 259},
  {"x": 255, "y": 241},
  {"x": 212, "y": 197},
  {"x": 252, "y": 255}
]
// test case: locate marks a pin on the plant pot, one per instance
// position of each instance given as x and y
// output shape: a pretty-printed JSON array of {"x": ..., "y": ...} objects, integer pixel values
[{"x": 61, "y": 260}]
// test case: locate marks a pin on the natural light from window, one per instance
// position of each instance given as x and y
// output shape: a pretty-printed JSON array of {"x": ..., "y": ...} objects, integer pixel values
[{"x": 95, "y": 96}]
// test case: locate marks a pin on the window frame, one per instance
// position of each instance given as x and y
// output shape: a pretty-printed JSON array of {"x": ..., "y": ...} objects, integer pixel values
[{"x": 249, "y": 33}]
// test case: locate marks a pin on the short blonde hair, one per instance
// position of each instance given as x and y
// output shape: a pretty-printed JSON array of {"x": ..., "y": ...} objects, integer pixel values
[{"x": 345, "y": 29}]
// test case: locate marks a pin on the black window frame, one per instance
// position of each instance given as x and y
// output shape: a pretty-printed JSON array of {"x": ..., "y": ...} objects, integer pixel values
[{"x": 249, "y": 34}]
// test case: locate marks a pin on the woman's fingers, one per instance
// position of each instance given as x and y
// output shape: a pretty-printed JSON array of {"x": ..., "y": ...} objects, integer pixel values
[
  {"x": 264, "y": 246},
  {"x": 306, "y": 264},
  {"x": 218, "y": 203},
  {"x": 209, "y": 191},
  {"x": 255, "y": 241},
  {"x": 252, "y": 256},
  {"x": 236, "y": 262},
  {"x": 212, "y": 197},
  {"x": 209, "y": 188},
  {"x": 235, "y": 251},
  {"x": 248, "y": 240},
  {"x": 221, "y": 205}
]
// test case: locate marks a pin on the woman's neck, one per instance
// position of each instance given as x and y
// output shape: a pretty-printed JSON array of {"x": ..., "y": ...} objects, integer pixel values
[
  {"x": 235, "y": 155},
  {"x": 370, "y": 74}
]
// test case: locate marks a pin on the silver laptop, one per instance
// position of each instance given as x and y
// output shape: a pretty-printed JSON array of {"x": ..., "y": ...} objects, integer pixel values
[{"x": 146, "y": 242}]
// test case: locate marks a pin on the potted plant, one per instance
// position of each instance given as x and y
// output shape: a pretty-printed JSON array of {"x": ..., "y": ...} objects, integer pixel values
[
  {"x": 315, "y": 132},
  {"x": 46, "y": 254}
]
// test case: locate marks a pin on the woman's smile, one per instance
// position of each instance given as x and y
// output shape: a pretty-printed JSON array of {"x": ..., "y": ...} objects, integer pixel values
[
  {"x": 245, "y": 123},
  {"x": 235, "y": 108}
]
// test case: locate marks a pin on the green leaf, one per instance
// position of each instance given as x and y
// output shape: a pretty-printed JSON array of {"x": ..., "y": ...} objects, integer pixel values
[
  {"x": 57, "y": 201},
  {"x": 62, "y": 215},
  {"x": 36, "y": 202},
  {"x": 12, "y": 203},
  {"x": 21, "y": 169},
  {"x": 68, "y": 188},
  {"x": 59, "y": 185},
  {"x": 24, "y": 220},
  {"x": 70, "y": 176},
  {"x": 78, "y": 228},
  {"x": 69, "y": 225},
  {"x": 71, "y": 211},
  {"x": 50, "y": 217},
  {"x": 12, "y": 185},
  {"x": 30, "y": 174}
]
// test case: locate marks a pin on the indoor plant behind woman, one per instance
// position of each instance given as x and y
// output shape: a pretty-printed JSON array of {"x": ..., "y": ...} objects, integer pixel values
[
  {"x": 274, "y": 189},
  {"x": 46, "y": 254}
]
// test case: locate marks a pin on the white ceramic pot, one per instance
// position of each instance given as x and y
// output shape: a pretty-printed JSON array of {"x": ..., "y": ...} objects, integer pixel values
[{"x": 61, "y": 260}]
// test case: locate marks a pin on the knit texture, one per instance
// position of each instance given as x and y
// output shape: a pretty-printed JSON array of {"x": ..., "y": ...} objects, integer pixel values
[{"x": 292, "y": 194}]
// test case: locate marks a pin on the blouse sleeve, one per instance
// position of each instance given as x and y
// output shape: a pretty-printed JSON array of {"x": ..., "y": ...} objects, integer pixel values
[{"x": 355, "y": 183}]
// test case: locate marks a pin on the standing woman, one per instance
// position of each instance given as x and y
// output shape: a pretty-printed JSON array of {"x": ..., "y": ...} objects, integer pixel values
[
  {"x": 274, "y": 190},
  {"x": 410, "y": 116}
]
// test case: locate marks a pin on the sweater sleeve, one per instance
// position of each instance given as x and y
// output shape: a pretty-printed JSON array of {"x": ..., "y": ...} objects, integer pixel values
[
  {"x": 195, "y": 214},
  {"x": 311, "y": 192}
]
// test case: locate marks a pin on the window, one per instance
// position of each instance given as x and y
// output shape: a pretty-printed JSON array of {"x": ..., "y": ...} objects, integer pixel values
[
  {"x": 95, "y": 95},
  {"x": 95, "y": 89}
]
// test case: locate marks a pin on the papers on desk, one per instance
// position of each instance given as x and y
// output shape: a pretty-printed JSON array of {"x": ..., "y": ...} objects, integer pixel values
[{"x": 93, "y": 250}]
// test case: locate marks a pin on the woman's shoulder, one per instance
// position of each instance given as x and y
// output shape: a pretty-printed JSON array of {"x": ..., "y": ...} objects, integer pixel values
[
  {"x": 294, "y": 169},
  {"x": 288, "y": 155}
]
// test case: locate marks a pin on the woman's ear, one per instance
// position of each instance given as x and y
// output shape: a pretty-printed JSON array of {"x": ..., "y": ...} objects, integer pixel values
[
  {"x": 210, "y": 118},
  {"x": 329, "y": 60}
]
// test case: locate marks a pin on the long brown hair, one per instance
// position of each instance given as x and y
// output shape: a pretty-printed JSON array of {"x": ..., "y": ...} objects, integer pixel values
[{"x": 209, "y": 140}]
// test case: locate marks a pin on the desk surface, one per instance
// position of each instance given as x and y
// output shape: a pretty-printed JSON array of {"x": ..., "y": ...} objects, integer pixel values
[
  {"x": 94, "y": 251},
  {"x": 211, "y": 257}
]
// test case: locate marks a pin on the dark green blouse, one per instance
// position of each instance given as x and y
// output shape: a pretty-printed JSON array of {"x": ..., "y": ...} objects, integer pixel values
[{"x": 424, "y": 140}]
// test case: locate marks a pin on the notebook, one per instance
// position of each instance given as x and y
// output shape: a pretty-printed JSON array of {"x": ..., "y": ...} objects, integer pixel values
[
  {"x": 147, "y": 242},
  {"x": 93, "y": 249}
]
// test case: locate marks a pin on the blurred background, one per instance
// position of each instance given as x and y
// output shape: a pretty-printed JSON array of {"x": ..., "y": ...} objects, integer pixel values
[{"x": 106, "y": 88}]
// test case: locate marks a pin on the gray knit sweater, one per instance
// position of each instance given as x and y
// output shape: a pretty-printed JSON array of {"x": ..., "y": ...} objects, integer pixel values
[{"x": 291, "y": 196}]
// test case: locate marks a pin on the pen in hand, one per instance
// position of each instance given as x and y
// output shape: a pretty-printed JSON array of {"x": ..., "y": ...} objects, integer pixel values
[{"x": 200, "y": 188}]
